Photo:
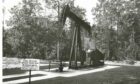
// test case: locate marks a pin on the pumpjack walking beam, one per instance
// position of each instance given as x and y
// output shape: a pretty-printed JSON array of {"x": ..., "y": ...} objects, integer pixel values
[{"x": 67, "y": 13}]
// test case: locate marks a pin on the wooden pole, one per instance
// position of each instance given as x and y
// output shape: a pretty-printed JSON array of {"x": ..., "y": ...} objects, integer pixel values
[
  {"x": 49, "y": 65},
  {"x": 58, "y": 43},
  {"x": 79, "y": 45},
  {"x": 72, "y": 47},
  {"x": 76, "y": 47},
  {"x": 29, "y": 76}
]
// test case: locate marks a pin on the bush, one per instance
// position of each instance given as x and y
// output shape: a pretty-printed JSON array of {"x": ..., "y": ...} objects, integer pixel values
[{"x": 132, "y": 62}]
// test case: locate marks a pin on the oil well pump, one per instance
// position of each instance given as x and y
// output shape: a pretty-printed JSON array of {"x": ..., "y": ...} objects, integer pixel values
[{"x": 76, "y": 44}]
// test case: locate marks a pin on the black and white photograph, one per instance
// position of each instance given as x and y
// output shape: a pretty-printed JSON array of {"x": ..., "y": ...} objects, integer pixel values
[{"x": 70, "y": 41}]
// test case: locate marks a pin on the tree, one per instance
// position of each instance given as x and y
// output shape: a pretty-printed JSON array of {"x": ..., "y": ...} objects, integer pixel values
[
  {"x": 28, "y": 30},
  {"x": 123, "y": 17},
  {"x": 7, "y": 48}
]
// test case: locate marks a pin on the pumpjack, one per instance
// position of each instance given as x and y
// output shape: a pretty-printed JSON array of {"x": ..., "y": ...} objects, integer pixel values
[{"x": 76, "y": 46}]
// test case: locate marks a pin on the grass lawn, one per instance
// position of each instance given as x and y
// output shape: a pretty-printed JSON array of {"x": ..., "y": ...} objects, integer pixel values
[
  {"x": 122, "y": 75},
  {"x": 13, "y": 71},
  {"x": 19, "y": 71},
  {"x": 21, "y": 77}
]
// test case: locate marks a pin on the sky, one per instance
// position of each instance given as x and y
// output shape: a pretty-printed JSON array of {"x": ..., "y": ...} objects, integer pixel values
[{"x": 86, "y": 4}]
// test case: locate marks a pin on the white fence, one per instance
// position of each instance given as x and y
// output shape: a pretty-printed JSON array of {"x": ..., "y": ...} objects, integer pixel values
[{"x": 12, "y": 62}]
